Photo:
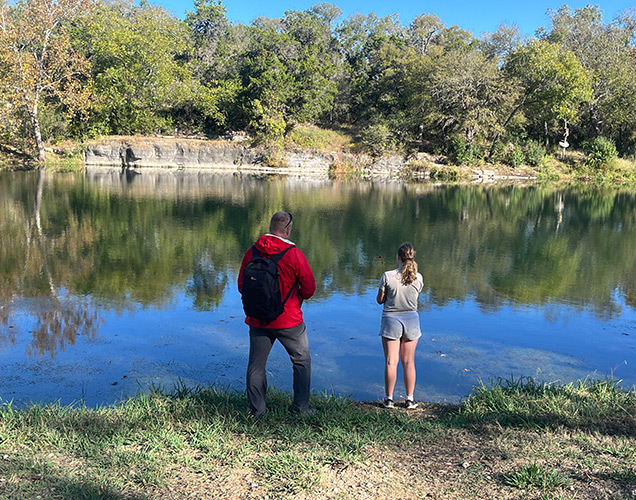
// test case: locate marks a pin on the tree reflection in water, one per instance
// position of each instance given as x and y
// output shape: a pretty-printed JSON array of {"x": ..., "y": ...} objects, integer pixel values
[
  {"x": 59, "y": 323},
  {"x": 208, "y": 284},
  {"x": 142, "y": 242},
  {"x": 58, "y": 317}
]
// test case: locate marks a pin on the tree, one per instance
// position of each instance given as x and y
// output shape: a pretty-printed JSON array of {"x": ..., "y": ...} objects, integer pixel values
[
  {"x": 210, "y": 31},
  {"x": 289, "y": 72},
  {"x": 424, "y": 32},
  {"x": 551, "y": 80},
  {"x": 139, "y": 74},
  {"x": 466, "y": 94},
  {"x": 267, "y": 85},
  {"x": 314, "y": 65},
  {"x": 364, "y": 41},
  {"x": 503, "y": 41},
  {"x": 606, "y": 51},
  {"x": 38, "y": 60}
]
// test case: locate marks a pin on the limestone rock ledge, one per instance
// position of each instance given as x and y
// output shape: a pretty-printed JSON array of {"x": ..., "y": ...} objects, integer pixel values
[
  {"x": 137, "y": 153},
  {"x": 193, "y": 153}
]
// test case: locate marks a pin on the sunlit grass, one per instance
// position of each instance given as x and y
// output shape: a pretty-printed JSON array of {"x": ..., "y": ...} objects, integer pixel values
[
  {"x": 311, "y": 138},
  {"x": 600, "y": 404},
  {"x": 204, "y": 441},
  {"x": 139, "y": 443}
]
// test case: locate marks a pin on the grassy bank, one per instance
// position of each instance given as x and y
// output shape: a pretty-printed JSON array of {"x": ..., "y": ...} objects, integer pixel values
[{"x": 513, "y": 439}]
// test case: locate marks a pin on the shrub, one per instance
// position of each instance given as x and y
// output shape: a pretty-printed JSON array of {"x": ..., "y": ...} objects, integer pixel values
[
  {"x": 462, "y": 152},
  {"x": 600, "y": 153},
  {"x": 535, "y": 153},
  {"x": 377, "y": 139},
  {"x": 514, "y": 156},
  {"x": 499, "y": 153}
]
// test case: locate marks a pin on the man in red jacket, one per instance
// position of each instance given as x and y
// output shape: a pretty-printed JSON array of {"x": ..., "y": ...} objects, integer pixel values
[{"x": 288, "y": 328}]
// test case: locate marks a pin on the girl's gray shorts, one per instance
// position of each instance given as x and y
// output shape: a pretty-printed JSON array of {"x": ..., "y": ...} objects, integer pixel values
[{"x": 396, "y": 326}]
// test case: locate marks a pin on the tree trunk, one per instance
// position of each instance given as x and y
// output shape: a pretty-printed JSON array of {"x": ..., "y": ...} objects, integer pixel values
[
  {"x": 36, "y": 131},
  {"x": 594, "y": 119},
  {"x": 38, "y": 204},
  {"x": 498, "y": 135}
]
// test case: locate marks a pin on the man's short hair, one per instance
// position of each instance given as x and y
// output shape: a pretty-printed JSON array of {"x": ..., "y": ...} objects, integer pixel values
[{"x": 279, "y": 222}]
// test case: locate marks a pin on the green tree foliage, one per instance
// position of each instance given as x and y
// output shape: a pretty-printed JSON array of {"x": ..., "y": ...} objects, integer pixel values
[
  {"x": 466, "y": 92},
  {"x": 136, "y": 54},
  {"x": 606, "y": 51},
  {"x": 288, "y": 72},
  {"x": 551, "y": 81},
  {"x": 425, "y": 86},
  {"x": 502, "y": 42},
  {"x": 371, "y": 47},
  {"x": 38, "y": 62}
]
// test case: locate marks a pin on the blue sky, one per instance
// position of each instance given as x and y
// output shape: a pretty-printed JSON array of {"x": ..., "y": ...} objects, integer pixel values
[{"x": 474, "y": 16}]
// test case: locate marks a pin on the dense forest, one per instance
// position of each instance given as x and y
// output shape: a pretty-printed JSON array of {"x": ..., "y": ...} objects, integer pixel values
[{"x": 77, "y": 69}]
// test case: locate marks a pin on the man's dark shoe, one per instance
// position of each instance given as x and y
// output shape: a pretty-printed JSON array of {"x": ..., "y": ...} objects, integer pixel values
[{"x": 307, "y": 412}]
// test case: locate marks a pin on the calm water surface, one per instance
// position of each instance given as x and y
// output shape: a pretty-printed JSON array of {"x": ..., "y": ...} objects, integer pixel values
[{"x": 110, "y": 284}]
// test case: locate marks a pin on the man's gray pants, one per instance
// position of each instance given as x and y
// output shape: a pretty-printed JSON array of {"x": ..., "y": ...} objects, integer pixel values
[{"x": 296, "y": 344}]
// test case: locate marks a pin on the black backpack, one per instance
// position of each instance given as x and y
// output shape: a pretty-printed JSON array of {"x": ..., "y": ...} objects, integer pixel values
[{"x": 260, "y": 292}]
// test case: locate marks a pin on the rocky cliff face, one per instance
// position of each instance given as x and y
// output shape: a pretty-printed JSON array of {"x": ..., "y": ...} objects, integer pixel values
[
  {"x": 190, "y": 153},
  {"x": 135, "y": 154}
]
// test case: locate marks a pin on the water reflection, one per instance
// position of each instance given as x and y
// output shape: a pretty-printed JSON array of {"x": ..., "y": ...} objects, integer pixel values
[
  {"x": 29, "y": 272},
  {"x": 74, "y": 250}
]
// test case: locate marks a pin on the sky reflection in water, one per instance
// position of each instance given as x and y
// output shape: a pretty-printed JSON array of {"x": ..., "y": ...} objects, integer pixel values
[{"x": 126, "y": 285}]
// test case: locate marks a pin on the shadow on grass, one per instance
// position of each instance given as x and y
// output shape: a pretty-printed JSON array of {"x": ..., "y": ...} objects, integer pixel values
[{"x": 34, "y": 477}]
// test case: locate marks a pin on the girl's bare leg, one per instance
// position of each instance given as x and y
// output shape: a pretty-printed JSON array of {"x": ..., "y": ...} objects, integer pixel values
[
  {"x": 391, "y": 359},
  {"x": 407, "y": 355}
]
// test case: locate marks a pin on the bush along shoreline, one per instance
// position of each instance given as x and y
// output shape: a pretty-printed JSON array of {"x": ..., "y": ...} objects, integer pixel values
[{"x": 510, "y": 439}]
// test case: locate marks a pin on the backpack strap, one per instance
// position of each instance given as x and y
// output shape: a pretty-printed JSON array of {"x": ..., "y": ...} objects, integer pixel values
[
  {"x": 276, "y": 257},
  {"x": 293, "y": 286}
]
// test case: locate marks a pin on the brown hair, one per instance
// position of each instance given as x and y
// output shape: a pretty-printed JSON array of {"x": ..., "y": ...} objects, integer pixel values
[{"x": 406, "y": 254}]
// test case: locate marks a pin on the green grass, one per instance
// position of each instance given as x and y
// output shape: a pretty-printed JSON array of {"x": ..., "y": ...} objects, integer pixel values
[
  {"x": 535, "y": 476},
  {"x": 508, "y": 437},
  {"x": 65, "y": 162},
  {"x": 601, "y": 404},
  {"x": 138, "y": 443},
  {"x": 311, "y": 138}
]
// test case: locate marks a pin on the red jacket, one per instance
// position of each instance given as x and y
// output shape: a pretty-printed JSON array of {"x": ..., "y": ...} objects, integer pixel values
[{"x": 293, "y": 266}]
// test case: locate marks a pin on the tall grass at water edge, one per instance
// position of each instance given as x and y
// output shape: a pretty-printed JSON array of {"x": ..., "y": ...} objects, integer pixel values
[
  {"x": 599, "y": 404},
  {"x": 150, "y": 441}
]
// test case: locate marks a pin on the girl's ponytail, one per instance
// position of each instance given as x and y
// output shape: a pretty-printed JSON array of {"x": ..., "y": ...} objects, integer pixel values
[{"x": 406, "y": 253}]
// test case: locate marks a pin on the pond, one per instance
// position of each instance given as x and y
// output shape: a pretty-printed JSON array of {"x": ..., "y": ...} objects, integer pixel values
[{"x": 112, "y": 283}]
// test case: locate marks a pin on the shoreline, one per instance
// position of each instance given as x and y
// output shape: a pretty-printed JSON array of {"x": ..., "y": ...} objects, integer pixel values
[
  {"x": 514, "y": 440},
  {"x": 135, "y": 155},
  {"x": 172, "y": 154}
]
